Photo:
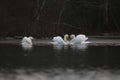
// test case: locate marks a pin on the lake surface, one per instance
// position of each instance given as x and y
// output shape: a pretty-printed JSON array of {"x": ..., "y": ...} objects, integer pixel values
[{"x": 97, "y": 60}]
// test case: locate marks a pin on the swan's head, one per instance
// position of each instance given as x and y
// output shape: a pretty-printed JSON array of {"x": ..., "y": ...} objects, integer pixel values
[
  {"x": 72, "y": 36},
  {"x": 66, "y": 35}
]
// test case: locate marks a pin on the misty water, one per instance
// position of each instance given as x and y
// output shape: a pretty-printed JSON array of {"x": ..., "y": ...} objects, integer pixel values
[{"x": 97, "y": 60}]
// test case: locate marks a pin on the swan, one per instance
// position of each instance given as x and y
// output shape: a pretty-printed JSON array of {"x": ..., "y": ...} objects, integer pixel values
[
  {"x": 79, "y": 39},
  {"x": 27, "y": 42},
  {"x": 59, "y": 41}
]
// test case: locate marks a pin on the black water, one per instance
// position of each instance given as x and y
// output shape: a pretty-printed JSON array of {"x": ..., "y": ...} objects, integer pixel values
[{"x": 49, "y": 62}]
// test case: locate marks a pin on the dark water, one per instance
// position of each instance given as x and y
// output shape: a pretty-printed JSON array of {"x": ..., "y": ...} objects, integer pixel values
[{"x": 49, "y": 62}]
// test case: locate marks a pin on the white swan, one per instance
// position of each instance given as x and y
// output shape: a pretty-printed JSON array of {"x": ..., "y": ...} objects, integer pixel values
[
  {"x": 59, "y": 41},
  {"x": 27, "y": 42},
  {"x": 79, "y": 39}
]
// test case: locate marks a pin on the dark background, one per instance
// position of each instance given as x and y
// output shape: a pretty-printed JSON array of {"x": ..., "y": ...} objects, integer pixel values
[{"x": 47, "y": 18}]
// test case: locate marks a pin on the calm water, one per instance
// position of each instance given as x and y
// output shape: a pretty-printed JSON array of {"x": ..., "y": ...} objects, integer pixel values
[{"x": 98, "y": 60}]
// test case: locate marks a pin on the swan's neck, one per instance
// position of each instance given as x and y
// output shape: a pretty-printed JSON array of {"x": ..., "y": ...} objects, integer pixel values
[
  {"x": 72, "y": 37},
  {"x": 65, "y": 38}
]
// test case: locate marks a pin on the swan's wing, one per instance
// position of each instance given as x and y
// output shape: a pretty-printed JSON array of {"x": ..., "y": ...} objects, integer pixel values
[
  {"x": 81, "y": 37},
  {"x": 59, "y": 40},
  {"x": 24, "y": 39}
]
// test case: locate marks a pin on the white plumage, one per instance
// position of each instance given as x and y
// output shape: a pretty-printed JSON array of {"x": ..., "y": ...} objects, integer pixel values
[
  {"x": 27, "y": 42},
  {"x": 58, "y": 40},
  {"x": 75, "y": 40},
  {"x": 81, "y": 38}
]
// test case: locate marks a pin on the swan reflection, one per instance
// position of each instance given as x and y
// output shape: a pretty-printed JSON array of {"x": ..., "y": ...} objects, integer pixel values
[
  {"x": 82, "y": 46},
  {"x": 78, "y": 47},
  {"x": 60, "y": 47}
]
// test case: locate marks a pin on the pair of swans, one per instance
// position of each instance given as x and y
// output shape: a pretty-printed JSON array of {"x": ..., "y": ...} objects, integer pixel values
[
  {"x": 79, "y": 39},
  {"x": 27, "y": 42}
]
